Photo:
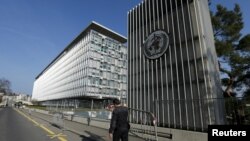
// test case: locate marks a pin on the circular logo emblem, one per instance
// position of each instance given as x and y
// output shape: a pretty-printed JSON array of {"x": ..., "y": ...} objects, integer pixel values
[{"x": 156, "y": 44}]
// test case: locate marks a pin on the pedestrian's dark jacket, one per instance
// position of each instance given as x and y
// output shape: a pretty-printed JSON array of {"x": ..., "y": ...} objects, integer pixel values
[{"x": 119, "y": 120}]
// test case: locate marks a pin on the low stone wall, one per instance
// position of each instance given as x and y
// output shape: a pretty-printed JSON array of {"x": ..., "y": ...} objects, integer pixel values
[{"x": 177, "y": 135}]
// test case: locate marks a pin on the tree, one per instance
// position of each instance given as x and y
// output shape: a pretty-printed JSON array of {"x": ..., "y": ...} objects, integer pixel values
[
  {"x": 247, "y": 94},
  {"x": 5, "y": 86},
  {"x": 233, "y": 50}
]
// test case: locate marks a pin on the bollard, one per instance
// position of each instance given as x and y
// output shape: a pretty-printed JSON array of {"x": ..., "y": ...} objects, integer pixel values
[{"x": 88, "y": 120}]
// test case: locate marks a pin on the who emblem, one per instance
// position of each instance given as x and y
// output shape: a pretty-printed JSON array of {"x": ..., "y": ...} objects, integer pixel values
[{"x": 156, "y": 44}]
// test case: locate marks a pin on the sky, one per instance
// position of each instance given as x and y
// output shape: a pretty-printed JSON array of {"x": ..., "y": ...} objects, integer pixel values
[{"x": 34, "y": 32}]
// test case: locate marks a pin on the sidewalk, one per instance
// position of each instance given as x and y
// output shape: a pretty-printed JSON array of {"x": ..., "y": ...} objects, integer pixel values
[{"x": 81, "y": 128}]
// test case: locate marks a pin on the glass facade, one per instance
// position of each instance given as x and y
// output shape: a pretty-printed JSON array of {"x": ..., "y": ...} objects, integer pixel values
[{"x": 94, "y": 65}]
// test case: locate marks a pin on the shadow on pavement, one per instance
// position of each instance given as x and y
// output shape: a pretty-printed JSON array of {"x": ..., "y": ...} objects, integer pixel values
[{"x": 92, "y": 137}]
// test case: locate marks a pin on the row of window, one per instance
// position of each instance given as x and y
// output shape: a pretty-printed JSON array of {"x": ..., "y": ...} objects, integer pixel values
[
  {"x": 106, "y": 74},
  {"x": 106, "y": 51},
  {"x": 104, "y": 82},
  {"x": 69, "y": 74},
  {"x": 98, "y": 39}
]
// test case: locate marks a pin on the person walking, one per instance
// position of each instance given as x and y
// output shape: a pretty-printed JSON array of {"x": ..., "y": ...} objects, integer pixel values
[{"x": 119, "y": 126}]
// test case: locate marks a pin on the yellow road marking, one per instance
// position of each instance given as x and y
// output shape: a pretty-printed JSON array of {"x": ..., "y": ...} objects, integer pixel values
[
  {"x": 46, "y": 129},
  {"x": 62, "y": 138},
  {"x": 59, "y": 136},
  {"x": 36, "y": 123}
]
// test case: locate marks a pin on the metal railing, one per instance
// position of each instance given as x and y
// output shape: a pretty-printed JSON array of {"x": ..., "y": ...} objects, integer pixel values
[{"x": 143, "y": 124}]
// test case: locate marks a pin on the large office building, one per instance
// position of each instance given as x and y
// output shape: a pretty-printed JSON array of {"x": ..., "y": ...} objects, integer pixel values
[
  {"x": 92, "y": 66},
  {"x": 172, "y": 64}
]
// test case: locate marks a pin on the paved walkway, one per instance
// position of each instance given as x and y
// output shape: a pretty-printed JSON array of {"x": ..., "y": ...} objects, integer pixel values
[{"x": 86, "y": 132}]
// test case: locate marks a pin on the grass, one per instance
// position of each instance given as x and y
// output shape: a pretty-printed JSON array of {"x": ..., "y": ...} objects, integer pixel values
[{"x": 37, "y": 107}]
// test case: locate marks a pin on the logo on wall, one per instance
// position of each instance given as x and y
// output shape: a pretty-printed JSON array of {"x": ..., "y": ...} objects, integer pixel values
[{"x": 156, "y": 44}]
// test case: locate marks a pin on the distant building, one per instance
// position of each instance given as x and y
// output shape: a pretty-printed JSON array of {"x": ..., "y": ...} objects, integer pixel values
[
  {"x": 93, "y": 65},
  {"x": 22, "y": 97}
]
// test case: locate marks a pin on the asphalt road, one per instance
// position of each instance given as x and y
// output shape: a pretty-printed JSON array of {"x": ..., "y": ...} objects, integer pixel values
[{"x": 15, "y": 127}]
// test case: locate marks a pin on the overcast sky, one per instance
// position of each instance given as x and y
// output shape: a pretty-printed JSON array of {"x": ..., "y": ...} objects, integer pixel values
[{"x": 34, "y": 32}]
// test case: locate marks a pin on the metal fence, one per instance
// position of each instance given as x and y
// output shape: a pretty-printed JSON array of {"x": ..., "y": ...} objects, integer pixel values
[
  {"x": 237, "y": 111},
  {"x": 197, "y": 114}
]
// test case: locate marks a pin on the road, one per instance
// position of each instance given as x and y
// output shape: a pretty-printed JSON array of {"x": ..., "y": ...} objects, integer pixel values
[{"x": 15, "y": 127}]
